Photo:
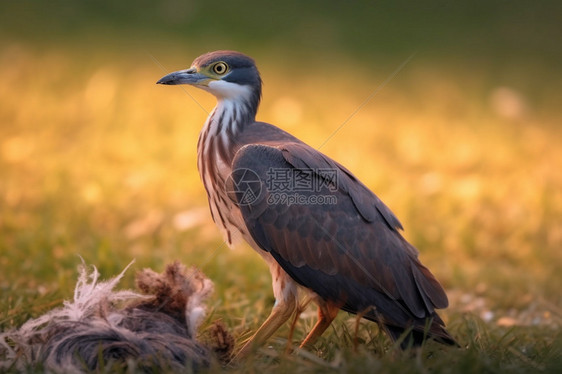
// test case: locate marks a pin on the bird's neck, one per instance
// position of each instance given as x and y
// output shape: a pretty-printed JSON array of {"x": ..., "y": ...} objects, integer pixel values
[
  {"x": 219, "y": 138},
  {"x": 225, "y": 123}
]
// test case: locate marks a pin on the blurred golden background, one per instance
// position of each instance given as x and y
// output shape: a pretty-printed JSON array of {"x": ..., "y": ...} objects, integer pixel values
[{"x": 464, "y": 143}]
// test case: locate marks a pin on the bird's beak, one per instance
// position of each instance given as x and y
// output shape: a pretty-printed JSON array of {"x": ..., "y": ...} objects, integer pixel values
[{"x": 187, "y": 76}]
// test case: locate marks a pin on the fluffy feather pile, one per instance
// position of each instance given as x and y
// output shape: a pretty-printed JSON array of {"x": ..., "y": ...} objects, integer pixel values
[{"x": 102, "y": 327}]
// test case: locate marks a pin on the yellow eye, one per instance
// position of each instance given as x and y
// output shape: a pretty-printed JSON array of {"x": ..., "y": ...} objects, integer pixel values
[{"x": 220, "y": 68}]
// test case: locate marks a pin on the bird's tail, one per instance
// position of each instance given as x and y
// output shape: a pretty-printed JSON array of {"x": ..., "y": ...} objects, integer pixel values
[{"x": 417, "y": 333}]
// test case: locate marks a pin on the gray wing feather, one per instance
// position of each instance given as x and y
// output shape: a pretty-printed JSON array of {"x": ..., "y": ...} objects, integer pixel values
[
  {"x": 368, "y": 204},
  {"x": 349, "y": 252}
]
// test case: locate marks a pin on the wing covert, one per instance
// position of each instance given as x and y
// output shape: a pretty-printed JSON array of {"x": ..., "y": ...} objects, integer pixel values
[{"x": 339, "y": 239}]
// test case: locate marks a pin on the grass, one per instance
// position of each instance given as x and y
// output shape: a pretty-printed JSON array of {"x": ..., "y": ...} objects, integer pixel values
[{"x": 98, "y": 161}]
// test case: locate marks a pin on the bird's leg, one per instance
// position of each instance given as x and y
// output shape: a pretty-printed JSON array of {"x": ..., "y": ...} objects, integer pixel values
[
  {"x": 327, "y": 311},
  {"x": 285, "y": 292},
  {"x": 299, "y": 309},
  {"x": 279, "y": 315}
]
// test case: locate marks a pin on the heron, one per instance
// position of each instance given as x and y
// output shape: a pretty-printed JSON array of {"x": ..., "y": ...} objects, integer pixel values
[{"x": 347, "y": 254}]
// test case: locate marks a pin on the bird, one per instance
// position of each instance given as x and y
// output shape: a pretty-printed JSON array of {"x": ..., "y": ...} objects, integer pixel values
[{"x": 320, "y": 230}]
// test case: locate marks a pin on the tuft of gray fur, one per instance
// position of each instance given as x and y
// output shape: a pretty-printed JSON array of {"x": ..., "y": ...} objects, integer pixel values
[{"x": 94, "y": 330}]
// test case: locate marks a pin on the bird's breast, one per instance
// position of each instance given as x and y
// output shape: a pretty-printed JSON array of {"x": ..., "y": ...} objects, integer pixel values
[{"x": 215, "y": 154}]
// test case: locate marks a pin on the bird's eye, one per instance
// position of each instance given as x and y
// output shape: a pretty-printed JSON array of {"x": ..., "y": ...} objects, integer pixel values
[{"x": 220, "y": 68}]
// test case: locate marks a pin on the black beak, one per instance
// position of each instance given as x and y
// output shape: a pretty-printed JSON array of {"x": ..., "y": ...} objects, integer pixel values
[{"x": 187, "y": 76}]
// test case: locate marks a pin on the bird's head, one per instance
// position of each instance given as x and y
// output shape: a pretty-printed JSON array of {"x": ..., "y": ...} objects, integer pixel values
[{"x": 228, "y": 75}]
